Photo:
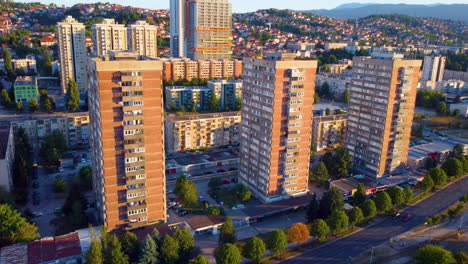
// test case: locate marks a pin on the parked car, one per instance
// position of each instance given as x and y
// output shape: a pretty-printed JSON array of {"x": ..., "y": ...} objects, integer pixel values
[
  {"x": 235, "y": 180},
  {"x": 37, "y": 214},
  {"x": 406, "y": 217},
  {"x": 60, "y": 169},
  {"x": 182, "y": 212},
  {"x": 225, "y": 182},
  {"x": 221, "y": 170},
  {"x": 220, "y": 202},
  {"x": 171, "y": 204},
  {"x": 238, "y": 207}
]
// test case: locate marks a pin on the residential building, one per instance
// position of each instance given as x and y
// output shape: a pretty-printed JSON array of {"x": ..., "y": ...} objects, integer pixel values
[
  {"x": 432, "y": 71},
  {"x": 452, "y": 87},
  {"x": 25, "y": 88},
  {"x": 7, "y": 153},
  {"x": 72, "y": 52},
  {"x": 276, "y": 126},
  {"x": 109, "y": 35},
  {"x": 27, "y": 65},
  {"x": 462, "y": 107},
  {"x": 73, "y": 126},
  {"x": 456, "y": 75},
  {"x": 178, "y": 96},
  {"x": 177, "y": 20},
  {"x": 47, "y": 41},
  {"x": 70, "y": 249},
  {"x": 382, "y": 100},
  {"x": 180, "y": 69},
  {"x": 328, "y": 132},
  {"x": 202, "y": 29},
  {"x": 127, "y": 135},
  {"x": 338, "y": 83},
  {"x": 227, "y": 92},
  {"x": 142, "y": 38},
  {"x": 201, "y": 131}
]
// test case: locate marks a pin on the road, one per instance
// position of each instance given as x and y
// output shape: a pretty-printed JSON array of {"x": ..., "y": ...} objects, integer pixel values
[{"x": 341, "y": 250}]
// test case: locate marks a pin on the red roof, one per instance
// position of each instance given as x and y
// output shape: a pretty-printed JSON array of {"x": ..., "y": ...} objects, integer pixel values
[
  {"x": 50, "y": 249},
  {"x": 48, "y": 40}
]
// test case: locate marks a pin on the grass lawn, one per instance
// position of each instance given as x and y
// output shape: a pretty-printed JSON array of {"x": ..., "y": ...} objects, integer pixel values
[
  {"x": 440, "y": 122},
  {"x": 228, "y": 196}
]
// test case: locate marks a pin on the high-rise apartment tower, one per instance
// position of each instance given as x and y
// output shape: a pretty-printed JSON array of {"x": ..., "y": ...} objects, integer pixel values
[
  {"x": 276, "y": 125},
  {"x": 433, "y": 68},
  {"x": 143, "y": 39},
  {"x": 127, "y": 139},
  {"x": 201, "y": 30},
  {"x": 108, "y": 36},
  {"x": 71, "y": 39},
  {"x": 382, "y": 100}
]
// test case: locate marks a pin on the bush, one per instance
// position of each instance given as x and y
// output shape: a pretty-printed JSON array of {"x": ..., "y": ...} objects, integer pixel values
[
  {"x": 434, "y": 254},
  {"x": 59, "y": 185}
]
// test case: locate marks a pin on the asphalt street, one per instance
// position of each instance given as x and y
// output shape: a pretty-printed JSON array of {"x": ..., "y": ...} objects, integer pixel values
[{"x": 342, "y": 250}]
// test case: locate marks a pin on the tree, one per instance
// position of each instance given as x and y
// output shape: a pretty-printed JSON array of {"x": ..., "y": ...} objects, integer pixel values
[
  {"x": 214, "y": 210},
  {"x": 325, "y": 88},
  {"x": 214, "y": 183},
  {"x": 438, "y": 176},
  {"x": 169, "y": 250},
  {"x": 383, "y": 202},
  {"x": 319, "y": 229},
  {"x": 186, "y": 242},
  {"x": 228, "y": 254},
  {"x": 86, "y": 177},
  {"x": 464, "y": 161},
  {"x": 94, "y": 254},
  {"x": 359, "y": 197},
  {"x": 396, "y": 194},
  {"x": 427, "y": 183},
  {"x": 344, "y": 163},
  {"x": 238, "y": 105},
  {"x": 114, "y": 252},
  {"x": 313, "y": 209},
  {"x": 432, "y": 254},
  {"x": 6, "y": 100},
  {"x": 73, "y": 98},
  {"x": 242, "y": 192},
  {"x": 47, "y": 66},
  {"x": 338, "y": 221},
  {"x": 319, "y": 174},
  {"x": 346, "y": 96},
  {"x": 331, "y": 201},
  {"x": 441, "y": 108},
  {"x": 193, "y": 107},
  {"x": 33, "y": 106},
  {"x": 458, "y": 150},
  {"x": 356, "y": 216},
  {"x": 14, "y": 228},
  {"x": 254, "y": 249},
  {"x": 227, "y": 233},
  {"x": 408, "y": 194},
  {"x": 131, "y": 246},
  {"x": 277, "y": 242},
  {"x": 214, "y": 104},
  {"x": 298, "y": 233},
  {"x": 149, "y": 252},
  {"x": 327, "y": 111},
  {"x": 200, "y": 259},
  {"x": 19, "y": 107},
  {"x": 187, "y": 191},
  {"x": 453, "y": 167},
  {"x": 48, "y": 105},
  {"x": 59, "y": 185},
  {"x": 8, "y": 64},
  {"x": 316, "y": 98},
  {"x": 369, "y": 209}
]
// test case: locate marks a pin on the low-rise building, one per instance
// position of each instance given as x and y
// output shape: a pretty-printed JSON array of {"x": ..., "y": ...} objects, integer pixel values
[
  {"x": 436, "y": 152},
  {"x": 201, "y": 131},
  {"x": 328, "y": 132},
  {"x": 7, "y": 153},
  {"x": 338, "y": 83},
  {"x": 453, "y": 87},
  {"x": 463, "y": 107},
  {"x": 182, "y": 68},
  {"x": 74, "y": 127},
  {"x": 27, "y": 65},
  {"x": 25, "y": 88}
]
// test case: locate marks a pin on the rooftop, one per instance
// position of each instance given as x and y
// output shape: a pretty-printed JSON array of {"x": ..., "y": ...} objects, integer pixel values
[
  {"x": 25, "y": 80},
  {"x": 205, "y": 221},
  {"x": 193, "y": 159},
  {"x": 263, "y": 210},
  {"x": 201, "y": 116}
]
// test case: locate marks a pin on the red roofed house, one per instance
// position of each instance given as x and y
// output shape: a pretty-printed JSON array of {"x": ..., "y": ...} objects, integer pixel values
[{"x": 46, "y": 42}]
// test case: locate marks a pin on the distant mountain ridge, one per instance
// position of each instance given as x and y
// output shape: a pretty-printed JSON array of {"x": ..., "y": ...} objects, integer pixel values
[{"x": 360, "y": 10}]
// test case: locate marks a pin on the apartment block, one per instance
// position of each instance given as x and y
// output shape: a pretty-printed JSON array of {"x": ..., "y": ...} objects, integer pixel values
[
  {"x": 338, "y": 83},
  {"x": 177, "y": 20},
  {"x": 74, "y": 127},
  {"x": 276, "y": 128},
  {"x": 7, "y": 154},
  {"x": 432, "y": 71},
  {"x": 72, "y": 52},
  {"x": 27, "y": 65},
  {"x": 180, "y": 69},
  {"x": 127, "y": 135},
  {"x": 107, "y": 36},
  {"x": 25, "y": 88},
  {"x": 227, "y": 93},
  {"x": 201, "y": 131},
  {"x": 142, "y": 38},
  {"x": 328, "y": 132},
  {"x": 382, "y": 100}
]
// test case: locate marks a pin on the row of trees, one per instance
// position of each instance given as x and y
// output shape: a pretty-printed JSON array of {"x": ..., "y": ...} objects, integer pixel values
[
  {"x": 22, "y": 166},
  {"x": 452, "y": 168},
  {"x": 14, "y": 228},
  {"x": 429, "y": 99},
  {"x": 170, "y": 249}
]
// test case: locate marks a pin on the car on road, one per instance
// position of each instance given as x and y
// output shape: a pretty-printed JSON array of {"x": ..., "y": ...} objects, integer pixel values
[
  {"x": 60, "y": 169},
  {"x": 37, "y": 214},
  {"x": 225, "y": 182},
  {"x": 83, "y": 160},
  {"x": 406, "y": 217},
  {"x": 238, "y": 207}
]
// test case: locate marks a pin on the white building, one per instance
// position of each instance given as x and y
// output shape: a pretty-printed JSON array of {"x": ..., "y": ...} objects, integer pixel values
[
  {"x": 7, "y": 152},
  {"x": 71, "y": 39},
  {"x": 109, "y": 35},
  {"x": 143, "y": 39}
]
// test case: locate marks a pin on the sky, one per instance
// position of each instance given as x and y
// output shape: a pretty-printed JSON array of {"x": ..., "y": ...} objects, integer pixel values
[{"x": 252, "y": 5}]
